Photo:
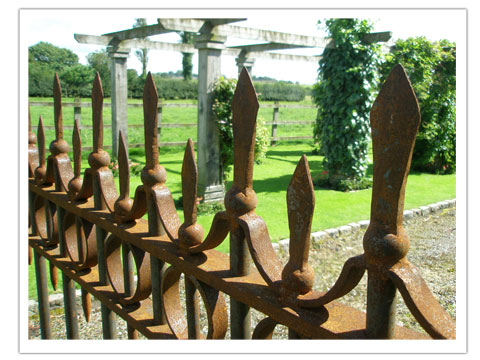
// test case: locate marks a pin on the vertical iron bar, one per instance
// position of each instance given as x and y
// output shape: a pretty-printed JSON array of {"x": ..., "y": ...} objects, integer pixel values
[
  {"x": 240, "y": 314},
  {"x": 193, "y": 311},
  {"x": 381, "y": 304},
  {"x": 157, "y": 266},
  {"x": 42, "y": 295},
  {"x": 69, "y": 302},
  {"x": 129, "y": 282},
  {"x": 109, "y": 324}
]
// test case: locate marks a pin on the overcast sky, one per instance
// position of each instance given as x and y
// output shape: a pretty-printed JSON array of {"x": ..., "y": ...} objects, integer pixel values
[{"x": 58, "y": 27}]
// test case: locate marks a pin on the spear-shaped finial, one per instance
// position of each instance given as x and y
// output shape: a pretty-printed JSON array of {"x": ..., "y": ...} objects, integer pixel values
[
  {"x": 75, "y": 184},
  {"x": 152, "y": 173},
  {"x": 97, "y": 113},
  {"x": 98, "y": 157},
  {"x": 241, "y": 198},
  {"x": 395, "y": 118},
  {"x": 41, "y": 170},
  {"x": 124, "y": 204},
  {"x": 32, "y": 148},
  {"x": 297, "y": 275},
  {"x": 190, "y": 233},
  {"x": 57, "y": 107},
  {"x": 59, "y": 145}
]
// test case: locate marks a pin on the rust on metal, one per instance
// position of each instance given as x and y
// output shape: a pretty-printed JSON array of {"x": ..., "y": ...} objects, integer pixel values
[
  {"x": 190, "y": 233},
  {"x": 297, "y": 275},
  {"x": 283, "y": 293},
  {"x": 75, "y": 184},
  {"x": 115, "y": 272},
  {"x": 123, "y": 205},
  {"x": 32, "y": 149},
  {"x": 213, "y": 300},
  {"x": 86, "y": 304}
]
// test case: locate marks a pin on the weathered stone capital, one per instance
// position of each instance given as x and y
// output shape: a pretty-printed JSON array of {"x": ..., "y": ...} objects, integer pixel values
[
  {"x": 118, "y": 53},
  {"x": 245, "y": 61},
  {"x": 210, "y": 41}
]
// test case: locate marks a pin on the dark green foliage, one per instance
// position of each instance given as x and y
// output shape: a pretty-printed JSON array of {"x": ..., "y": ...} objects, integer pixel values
[
  {"x": 56, "y": 58},
  {"x": 222, "y": 108},
  {"x": 167, "y": 88},
  {"x": 187, "y": 58},
  {"x": 40, "y": 79},
  {"x": 203, "y": 208},
  {"x": 44, "y": 60},
  {"x": 77, "y": 80},
  {"x": 431, "y": 68},
  {"x": 343, "y": 94},
  {"x": 280, "y": 91},
  {"x": 343, "y": 184},
  {"x": 100, "y": 63}
]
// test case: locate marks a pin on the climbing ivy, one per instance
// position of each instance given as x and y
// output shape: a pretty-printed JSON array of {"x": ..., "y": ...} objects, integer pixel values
[
  {"x": 222, "y": 109},
  {"x": 343, "y": 94},
  {"x": 431, "y": 67}
]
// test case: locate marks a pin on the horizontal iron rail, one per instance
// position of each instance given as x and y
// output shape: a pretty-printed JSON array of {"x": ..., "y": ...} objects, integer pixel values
[{"x": 210, "y": 267}]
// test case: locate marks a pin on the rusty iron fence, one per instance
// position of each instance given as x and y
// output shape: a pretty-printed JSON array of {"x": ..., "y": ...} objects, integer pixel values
[
  {"x": 274, "y": 124},
  {"x": 97, "y": 238}
]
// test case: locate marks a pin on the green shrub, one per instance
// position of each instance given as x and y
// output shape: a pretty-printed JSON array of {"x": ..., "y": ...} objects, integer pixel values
[
  {"x": 222, "y": 108},
  {"x": 343, "y": 94},
  {"x": 431, "y": 68}
]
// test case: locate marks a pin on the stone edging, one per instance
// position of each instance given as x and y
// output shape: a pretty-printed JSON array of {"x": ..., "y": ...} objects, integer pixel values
[
  {"x": 318, "y": 236},
  {"x": 282, "y": 245}
]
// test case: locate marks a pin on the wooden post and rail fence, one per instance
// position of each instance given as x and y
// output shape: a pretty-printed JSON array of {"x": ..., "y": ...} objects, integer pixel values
[{"x": 275, "y": 123}]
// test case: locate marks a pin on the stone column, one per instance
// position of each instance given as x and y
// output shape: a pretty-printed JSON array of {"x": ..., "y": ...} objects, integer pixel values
[
  {"x": 119, "y": 89},
  {"x": 210, "y": 184},
  {"x": 243, "y": 60}
]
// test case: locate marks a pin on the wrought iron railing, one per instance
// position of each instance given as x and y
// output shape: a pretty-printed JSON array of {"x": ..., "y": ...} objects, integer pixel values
[{"x": 97, "y": 238}]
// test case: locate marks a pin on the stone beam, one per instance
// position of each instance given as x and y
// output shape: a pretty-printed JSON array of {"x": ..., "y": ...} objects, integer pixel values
[
  {"x": 140, "y": 32},
  {"x": 266, "y": 47},
  {"x": 107, "y": 40},
  {"x": 157, "y": 45},
  {"x": 194, "y": 25},
  {"x": 216, "y": 22}
]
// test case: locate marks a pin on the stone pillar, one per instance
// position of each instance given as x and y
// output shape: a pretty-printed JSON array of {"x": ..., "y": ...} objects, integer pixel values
[
  {"x": 119, "y": 89},
  {"x": 244, "y": 61},
  {"x": 210, "y": 184}
]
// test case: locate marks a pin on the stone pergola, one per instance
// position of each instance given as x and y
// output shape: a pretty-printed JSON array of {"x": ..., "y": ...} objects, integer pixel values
[{"x": 210, "y": 39}]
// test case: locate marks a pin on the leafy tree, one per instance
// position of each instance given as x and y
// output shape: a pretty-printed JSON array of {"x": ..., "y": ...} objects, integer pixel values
[
  {"x": 431, "y": 67},
  {"x": 100, "y": 62},
  {"x": 40, "y": 77},
  {"x": 343, "y": 94},
  {"x": 77, "y": 80},
  {"x": 53, "y": 56},
  {"x": 142, "y": 54},
  {"x": 187, "y": 63}
]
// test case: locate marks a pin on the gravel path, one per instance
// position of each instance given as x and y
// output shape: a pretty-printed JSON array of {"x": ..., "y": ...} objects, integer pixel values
[{"x": 432, "y": 250}]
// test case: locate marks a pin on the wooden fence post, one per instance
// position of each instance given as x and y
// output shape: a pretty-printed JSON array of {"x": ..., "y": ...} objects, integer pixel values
[{"x": 274, "y": 123}]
